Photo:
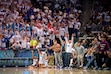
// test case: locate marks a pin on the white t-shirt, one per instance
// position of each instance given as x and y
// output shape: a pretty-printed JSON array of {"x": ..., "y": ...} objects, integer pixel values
[
  {"x": 46, "y": 33},
  {"x": 69, "y": 48},
  {"x": 39, "y": 46},
  {"x": 24, "y": 44},
  {"x": 42, "y": 39},
  {"x": 42, "y": 59},
  {"x": 52, "y": 36},
  {"x": 28, "y": 33},
  {"x": 71, "y": 24},
  {"x": 47, "y": 42},
  {"x": 3, "y": 44},
  {"x": 22, "y": 33},
  {"x": 40, "y": 32},
  {"x": 62, "y": 31},
  {"x": 17, "y": 45},
  {"x": 27, "y": 45},
  {"x": 77, "y": 25},
  {"x": 16, "y": 37},
  {"x": 66, "y": 29}
]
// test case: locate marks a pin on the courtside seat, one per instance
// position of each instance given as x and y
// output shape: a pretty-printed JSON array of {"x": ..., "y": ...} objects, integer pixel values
[
  {"x": 23, "y": 57},
  {"x": 6, "y": 53},
  {"x": 1, "y": 54}
]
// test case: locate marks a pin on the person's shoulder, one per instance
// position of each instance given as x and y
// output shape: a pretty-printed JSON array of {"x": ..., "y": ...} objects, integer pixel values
[
  {"x": 82, "y": 46},
  {"x": 58, "y": 44},
  {"x": 106, "y": 42}
]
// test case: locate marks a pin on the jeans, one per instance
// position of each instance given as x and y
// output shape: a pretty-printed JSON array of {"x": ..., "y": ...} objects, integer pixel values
[
  {"x": 67, "y": 59},
  {"x": 76, "y": 32},
  {"x": 97, "y": 57},
  {"x": 90, "y": 62},
  {"x": 63, "y": 58}
]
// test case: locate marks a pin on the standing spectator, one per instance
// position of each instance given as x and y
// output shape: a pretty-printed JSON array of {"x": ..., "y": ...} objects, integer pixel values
[
  {"x": 96, "y": 53},
  {"x": 57, "y": 54},
  {"x": 42, "y": 40},
  {"x": 70, "y": 28},
  {"x": 80, "y": 53},
  {"x": 22, "y": 33},
  {"x": 33, "y": 43},
  {"x": 103, "y": 48},
  {"x": 43, "y": 58},
  {"x": 69, "y": 50},
  {"x": 90, "y": 58},
  {"x": 62, "y": 42},
  {"x": 92, "y": 54},
  {"x": 77, "y": 26},
  {"x": 62, "y": 31},
  {"x": 16, "y": 46},
  {"x": 17, "y": 36},
  {"x": 24, "y": 42},
  {"x": 3, "y": 42}
]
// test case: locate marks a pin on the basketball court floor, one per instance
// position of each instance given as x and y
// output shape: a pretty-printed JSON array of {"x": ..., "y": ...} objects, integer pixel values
[{"x": 50, "y": 71}]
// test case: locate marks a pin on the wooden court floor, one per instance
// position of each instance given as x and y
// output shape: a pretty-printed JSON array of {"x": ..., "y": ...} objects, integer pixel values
[{"x": 51, "y": 71}]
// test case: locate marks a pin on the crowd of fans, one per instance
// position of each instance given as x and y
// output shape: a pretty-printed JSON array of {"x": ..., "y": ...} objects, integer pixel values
[
  {"x": 20, "y": 19},
  {"x": 100, "y": 25},
  {"x": 54, "y": 26},
  {"x": 100, "y": 19}
]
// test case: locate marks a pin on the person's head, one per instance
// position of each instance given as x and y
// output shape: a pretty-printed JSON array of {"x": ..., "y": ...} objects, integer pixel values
[
  {"x": 69, "y": 41},
  {"x": 89, "y": 51},
  {"x": 92, "y": 42},
  {"x": 17, "y": 42},
  {"x": 95, "y": 39},
  {"x": 103, "y": 38},
  {"x": 84, "y": 41},
  {"x": 79, "y": 43},
  {"x": 17, "y": 32},
  {"x": 55, "y": 41}
]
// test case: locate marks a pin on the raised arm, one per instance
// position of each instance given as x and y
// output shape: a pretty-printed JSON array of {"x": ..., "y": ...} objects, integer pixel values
[
  {"x": 66, "y": 39},
  {"x": 39, "y": 51},
  {"x": 13, "y": 46},
  {"x": 72, "y": 39},
  {"x": 61, "y": 40}
]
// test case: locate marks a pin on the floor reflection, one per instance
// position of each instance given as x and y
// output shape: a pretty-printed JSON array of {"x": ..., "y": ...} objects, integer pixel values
[{"x": 50, "y": 71}]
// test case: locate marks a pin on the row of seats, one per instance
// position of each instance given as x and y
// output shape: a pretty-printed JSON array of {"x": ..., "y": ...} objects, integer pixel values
[
  {"x": 17, "y": 53},
  {"x": 21, "y": 57},
  {"x": 6, "y": 54}
]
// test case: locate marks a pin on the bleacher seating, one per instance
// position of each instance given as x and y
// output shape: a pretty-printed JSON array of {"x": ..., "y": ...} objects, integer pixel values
[{"x": 23, "y": 58}]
